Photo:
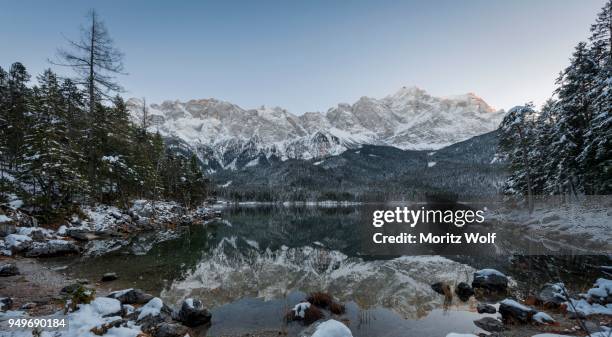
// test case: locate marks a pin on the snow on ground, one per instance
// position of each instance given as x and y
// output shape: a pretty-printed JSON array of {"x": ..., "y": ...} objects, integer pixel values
[
  {"x": 584, "y": 308},
  {"x": 588, "y": 219},
  {"x": 431, "y": 164},
  {"x": 16, "y": 240},
  {"x": 588, "y": 305},
  {"x": 332, "y": 328},
  {"x": 601, "y": 290},
  {"x": 100, "y": 311},
  {"x": 229, "y": 182},
  {"x": 4, "y": 218}
]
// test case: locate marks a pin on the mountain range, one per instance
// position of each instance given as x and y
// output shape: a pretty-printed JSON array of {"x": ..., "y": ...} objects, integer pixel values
[{"x": 227, "y": 137}]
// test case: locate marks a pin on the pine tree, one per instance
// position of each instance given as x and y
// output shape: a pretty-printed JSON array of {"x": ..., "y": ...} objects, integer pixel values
[
  {"x": 516, "y": 142},
  {"x": 49, "y": 159},
  {"x": 574, "y": 117},
  {"x": 596, "y": 157},
  {"x": 15, "y": 109}
]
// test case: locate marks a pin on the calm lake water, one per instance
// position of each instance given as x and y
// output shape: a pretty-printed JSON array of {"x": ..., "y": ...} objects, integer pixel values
[{"x": 258, "y": 262}]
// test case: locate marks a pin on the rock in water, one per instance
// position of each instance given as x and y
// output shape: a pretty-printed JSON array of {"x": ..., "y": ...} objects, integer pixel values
[
  {"x": 511, "y": 310},
  {"x": 193, "y": 313},
  {"x": 109, "y": 277},
  {"x": 489, "y": 324},
  {"x": 170, "y": 330},
  {"x": 490, "y": 279},
  {"x": 131, "y": 296},
  {"x": 5, "y": 303},
  {"x": 9, "y": 269},
  {"x": 464, "y": 291},
  {"x": 483, "y": 308}
]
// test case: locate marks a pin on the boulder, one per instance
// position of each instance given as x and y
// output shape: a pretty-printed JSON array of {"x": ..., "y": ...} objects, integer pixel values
[
  {"x": 52, "y": 248},
  {"x": 464, "y": 291},
  {"x": 489, "y": 324},
  {"x": 18, "y": 242},
  {"x": 193, "y": 313},
  {"x": 490, "y": 279},
  {"x": 109, "y": 277},
  {"x": 552, "y": 294},
  {"x": 484, "y": 308},
  {"x": 170, "y": 330},
  {"x": 131, "y": 296},
  {"x": 7, "y": 228},
  {"x": 513, "y": 311},
  {"x": 8, "y": 269},
  {"x": 37, "y": 235},
  {"x": 5, "y": 303}
]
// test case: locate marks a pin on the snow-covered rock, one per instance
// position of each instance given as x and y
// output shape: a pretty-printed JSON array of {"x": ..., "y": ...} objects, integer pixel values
[
  {"x": 299, "y": 310},
  {"x": 131, "y": 296},
  {"x": 490, "y": 279},
  {"x": 514, "y": 311},
  {"x": 152, "y": 308},
  {"x": 17, "y": 242},
  {"x": 8, "y": 269},
  {"x": 332, "y": 328},
  {"x": 543, "y": 318},
  {"x": 601, "y": 292},
  {"x": 552, "y": 294}
]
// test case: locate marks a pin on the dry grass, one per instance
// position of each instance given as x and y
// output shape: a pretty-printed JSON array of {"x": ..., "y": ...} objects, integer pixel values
[
  {"x": 337, "y": 308},
  {"x": 320, "y": 299}
]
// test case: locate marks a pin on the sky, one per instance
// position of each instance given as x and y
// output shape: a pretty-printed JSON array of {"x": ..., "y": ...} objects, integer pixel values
[{"x": 311, "y": 55}]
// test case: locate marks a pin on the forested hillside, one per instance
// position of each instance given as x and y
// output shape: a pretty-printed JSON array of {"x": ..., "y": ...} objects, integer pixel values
[
  {"x": 372, "y": 173},
  {"x": 566, "y": 148},
  {"x": 68, "y": 141}
]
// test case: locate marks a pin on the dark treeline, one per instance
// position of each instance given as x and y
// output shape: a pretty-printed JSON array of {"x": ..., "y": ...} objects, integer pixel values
[
  {"x": 566, "y": 147},
  {"x": 64, "y": 142}
]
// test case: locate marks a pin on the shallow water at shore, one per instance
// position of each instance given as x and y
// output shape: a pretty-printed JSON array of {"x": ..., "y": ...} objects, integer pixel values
[{"x": 259, "y": 261}]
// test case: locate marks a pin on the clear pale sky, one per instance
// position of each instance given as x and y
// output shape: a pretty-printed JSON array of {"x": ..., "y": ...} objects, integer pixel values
[{"x": 311, "y": 55}]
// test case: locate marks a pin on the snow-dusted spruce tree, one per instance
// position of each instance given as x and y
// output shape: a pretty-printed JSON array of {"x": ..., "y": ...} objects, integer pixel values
[
  {"x": 544, "y": 162},
  {"x": 49, "y": 160},
  {"x": 596, "y": 157},
  {"x": 516, "y": 143},
  {"x": 574, "y": 116},
  {"x": 14, "y": 100}
]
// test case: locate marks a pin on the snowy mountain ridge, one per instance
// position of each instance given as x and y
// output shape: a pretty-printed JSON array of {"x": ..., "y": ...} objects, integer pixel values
[{"x": 235, "y": 137}]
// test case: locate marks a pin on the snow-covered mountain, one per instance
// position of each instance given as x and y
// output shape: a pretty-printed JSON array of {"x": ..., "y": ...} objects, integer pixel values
[{"x": 234, "y": 137}]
